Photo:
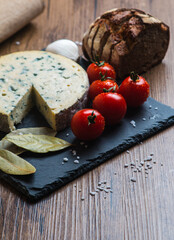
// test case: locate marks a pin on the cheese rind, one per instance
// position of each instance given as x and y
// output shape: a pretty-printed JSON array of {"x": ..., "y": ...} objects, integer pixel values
[{"x": 57, "y": 85}]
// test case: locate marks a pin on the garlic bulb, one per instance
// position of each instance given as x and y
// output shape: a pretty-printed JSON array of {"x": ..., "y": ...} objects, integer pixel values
[{"x": 64, "y": 47}]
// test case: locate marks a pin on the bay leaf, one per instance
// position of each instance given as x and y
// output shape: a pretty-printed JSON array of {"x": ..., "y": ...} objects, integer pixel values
[
  {"x": 38, "y": 143},
  {"x": 4, "y": 144},
  {"x": 12, "y": 164}
]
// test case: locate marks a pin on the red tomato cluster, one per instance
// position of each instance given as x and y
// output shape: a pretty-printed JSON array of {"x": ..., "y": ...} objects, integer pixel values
[{"x": 110, "y": 101}]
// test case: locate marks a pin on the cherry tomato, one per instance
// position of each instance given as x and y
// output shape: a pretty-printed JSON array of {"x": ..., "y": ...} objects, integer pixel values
[
  {"x": 112, "y": 106},
  {"x": 135, "y": 90},
  {"x": 87, "y": 124},
  {"x": 100, "y": 86},
  {"x": 96, "y": 70}
]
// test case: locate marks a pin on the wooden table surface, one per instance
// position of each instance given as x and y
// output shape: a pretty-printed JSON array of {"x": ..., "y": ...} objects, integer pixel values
[{"x": 133, "y": 210}]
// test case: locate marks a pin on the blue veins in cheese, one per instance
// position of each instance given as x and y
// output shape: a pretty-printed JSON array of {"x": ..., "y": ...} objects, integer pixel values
[{"x": 56, "y": 85}]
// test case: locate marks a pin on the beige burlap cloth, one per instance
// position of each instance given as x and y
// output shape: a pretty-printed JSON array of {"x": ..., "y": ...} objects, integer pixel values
[{"x": 15, "y": 14}]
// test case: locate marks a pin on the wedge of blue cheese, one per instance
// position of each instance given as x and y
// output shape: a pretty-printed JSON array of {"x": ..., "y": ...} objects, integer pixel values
[{"x": 56, "y": 85}]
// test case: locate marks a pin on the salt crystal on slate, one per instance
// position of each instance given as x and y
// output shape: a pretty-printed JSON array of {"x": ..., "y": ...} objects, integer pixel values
[
  {"x": 74, "y": 152},
  {"x": 76, "y": 161},
  {"x": 65, "y": 159},
  {"x": 133, "y": 123}
]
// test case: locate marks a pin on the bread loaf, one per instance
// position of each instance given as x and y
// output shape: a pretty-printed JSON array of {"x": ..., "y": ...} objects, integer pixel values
[{"x": 129, "y": 39}]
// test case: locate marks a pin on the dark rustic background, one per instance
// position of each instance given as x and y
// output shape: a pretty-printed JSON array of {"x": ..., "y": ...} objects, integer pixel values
[{"x": 134, "y": 210}]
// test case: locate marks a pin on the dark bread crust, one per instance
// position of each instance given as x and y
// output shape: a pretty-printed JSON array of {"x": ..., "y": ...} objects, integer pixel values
[{"x": 129, "y": 39}]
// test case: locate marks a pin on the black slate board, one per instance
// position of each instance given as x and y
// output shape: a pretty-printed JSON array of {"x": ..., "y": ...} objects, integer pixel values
[{"x": 150, "y": 118}]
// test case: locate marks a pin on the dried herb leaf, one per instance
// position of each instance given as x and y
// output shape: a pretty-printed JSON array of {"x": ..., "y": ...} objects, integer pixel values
[
  {"x": 12, "y": 164},
  {"x": 38, "y": 143},
  {"x": 4, "y": 144}
]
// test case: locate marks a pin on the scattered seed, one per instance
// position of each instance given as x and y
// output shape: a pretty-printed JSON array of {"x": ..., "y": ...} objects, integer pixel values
[
  {"x": 106, "y": 190},
  {"x": 80, "y": 190},
  {"x": 108, "y": 187},
  {"x": 100, "y": 188},
  {"x": 146, "y": 173},
  {"x": 133, "y": 179},
  {"x": 82, "y": 198},
  {"x": 154, "y": 162},
  {"x": 161, "y": 164},
  {"x": 135, "y": 170},
  {"x": 18, "y": 43},
  {"x": 145, "y": 168},
  {"x": 92, "y": 193},
  {"x": 126, "y": 165},
  {"x": 78, "y": 157},
  {"x": 156, "y": 108},
  {"x": 97, "y": 190},
  {"x": 150, "y": 106},
  {"x": 142, "y": 163},
  {"x": 151, "y": 154},
  {"x": 115, "y": 173},
  {"x": 67, "y": 134},
  {"x": 111, "y": 191},
  {"x": 62, "y": 163},
  {"x": 150, "y": 167},
  {"x": 132, "y": 164},
  {"x": 99, "y": 183},
  {"x": 149, "y": 158},
  {"x": 144, "y": 119},
  {"x": 128, "y": 151},
  {"x": 78, "y": 43}
]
